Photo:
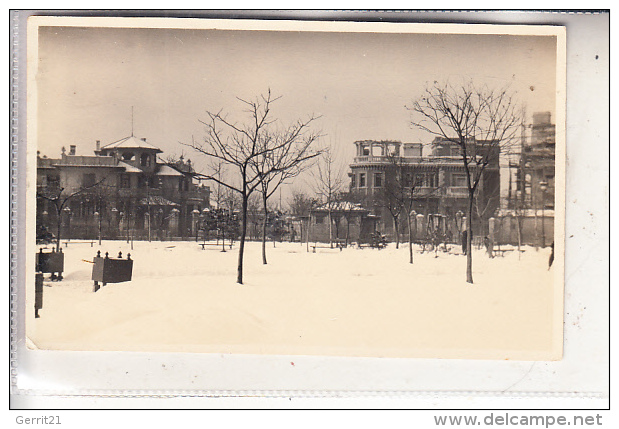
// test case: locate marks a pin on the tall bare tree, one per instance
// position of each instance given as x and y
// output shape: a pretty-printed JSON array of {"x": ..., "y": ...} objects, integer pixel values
[
  {"x": 285, "y": 154},
  {"x": 238, "y": 146},
  {"x": 481, "y": 120},
  {"x": 328, "y": 182}
]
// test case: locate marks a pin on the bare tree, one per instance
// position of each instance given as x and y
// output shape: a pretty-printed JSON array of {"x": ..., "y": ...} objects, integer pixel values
[
  {"x": 284, "y": 155},
  {"x": 328, "y": 182},
  {"x": 393, "y": 195},
  {"x": 59, "y": 199},
  {"x": 480, "y": 120},
  {"x": 102, "y": 194},
  {"x": 300, "y": 203},
  {"x": 398, "y": 196},
  {"x": 238, "y": 147}
]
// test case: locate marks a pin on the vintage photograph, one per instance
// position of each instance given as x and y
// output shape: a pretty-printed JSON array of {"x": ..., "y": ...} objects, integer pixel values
[{"x": 280, "y": 187}]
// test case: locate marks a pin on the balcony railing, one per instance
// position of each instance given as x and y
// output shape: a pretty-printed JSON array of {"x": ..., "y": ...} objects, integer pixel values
[
  {"x": 442, "y": 160},
  {"x": 423, "y": 191},
  {"x": 457, "y": 191},
  {"x": 384, "y": 159}
]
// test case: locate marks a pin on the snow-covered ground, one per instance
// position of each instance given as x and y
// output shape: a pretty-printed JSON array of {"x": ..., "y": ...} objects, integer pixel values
[{"x": 354, "y": 302}]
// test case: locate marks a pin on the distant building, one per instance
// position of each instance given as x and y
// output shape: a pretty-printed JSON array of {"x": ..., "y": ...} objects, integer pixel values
[
  {"x": 350, "y": 222},
  {"x": 440, "y": 179},
  {"x": 123, "y": 187},
  {"x": 537, "y": 165},
  {"x": 531, "y": 189}
]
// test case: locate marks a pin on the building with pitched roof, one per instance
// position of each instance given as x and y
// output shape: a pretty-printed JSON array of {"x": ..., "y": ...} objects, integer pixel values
[{"x": 122, "y": 190}]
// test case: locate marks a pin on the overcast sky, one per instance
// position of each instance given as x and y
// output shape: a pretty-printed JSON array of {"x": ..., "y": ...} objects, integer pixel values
[{"x": 89, "y": 79}]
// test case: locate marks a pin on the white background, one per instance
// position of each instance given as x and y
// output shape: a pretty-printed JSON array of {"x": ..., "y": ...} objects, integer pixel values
[{"x": 582, "y": 371}]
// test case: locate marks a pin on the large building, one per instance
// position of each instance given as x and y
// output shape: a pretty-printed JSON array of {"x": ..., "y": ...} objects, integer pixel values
[
  {"x": 123, "y": 189},
  {"x": 439, "y": 177},
  {"x": 535, "y": 168}
]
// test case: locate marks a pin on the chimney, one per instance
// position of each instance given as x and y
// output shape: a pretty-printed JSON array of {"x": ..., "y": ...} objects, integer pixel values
[
  {"x": 143, "y": 139},
  {"x": 72, "y": 149},
  {"x": 98, "y": 145}
]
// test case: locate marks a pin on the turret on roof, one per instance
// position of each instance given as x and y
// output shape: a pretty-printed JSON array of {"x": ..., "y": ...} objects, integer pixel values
[{"x": 130, "y": 142}]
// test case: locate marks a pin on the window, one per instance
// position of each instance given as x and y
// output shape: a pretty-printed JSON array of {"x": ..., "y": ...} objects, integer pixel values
[
  {"x": 408, "y": 179},
  {"x": 125, "y": 181},
  {"x": 420, "y": 179},
  {"x": 378, "y": 180},
  {"x": 362, "y": 180},
  {"x": 127, "y": 156},
  {"x": 458, "y": 180},
  {"x": 88, "y": 179},
  {"x": 145, "y": 160},
  {"x": 353, "y": 180},
  {"x": 53, "y": 181},
  {"x": 320, "y": 218},
  {"x": 432, "y": 180},
  {"x": 153, "y": 182}
]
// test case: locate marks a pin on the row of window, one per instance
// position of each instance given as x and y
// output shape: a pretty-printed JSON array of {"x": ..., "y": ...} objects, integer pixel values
[
  {"x": 145, "y": 158},
  {"x": 89, "y": 179},
  {"x": 430, "y": 180}
]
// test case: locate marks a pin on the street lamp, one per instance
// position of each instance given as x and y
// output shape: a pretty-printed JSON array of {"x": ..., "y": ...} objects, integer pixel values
[
  {"x": 98, "y": 220},
  {"x": 195, "y": 214},
  {"x": 44, "y": 220},
  {"x": 159, "y": 223},
  {"x": 543, "y": 186},
  {"x": 67, "y": 212},
  {"x": 114, "y": 212},
  {"x": 147, "y": 217}
]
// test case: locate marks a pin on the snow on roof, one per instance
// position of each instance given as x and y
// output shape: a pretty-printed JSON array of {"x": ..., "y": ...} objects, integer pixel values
[
  {"x": 166, "y": 170},
  {"x": 131, "y": 142},
  {"x": 344, "y": 206},
  {"x": 129, "y": 168},
  {"x": 527, "y": 213},
  {"x": 154, "y": 200}
]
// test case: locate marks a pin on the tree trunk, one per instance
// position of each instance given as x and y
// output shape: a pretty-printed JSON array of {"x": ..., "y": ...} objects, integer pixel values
[
  {"x": 264, "y": 230},
  {"x": 347, "y": 229},
  {"x": 58, "y": 227},
  {"x": 469, "y": 241},
  {"x": 309, "y": 226},
  {"x": 223, "y": 237},
  {"x": 410, "y": 239},
  {"x": 396, "y": 231},
  {"x": 518, "y": 225},
  {"x": 239, "y": 278},
  {"x": 330, "y": 228}
]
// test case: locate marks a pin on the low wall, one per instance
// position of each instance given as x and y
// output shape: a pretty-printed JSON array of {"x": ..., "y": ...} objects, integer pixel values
[{"x": 534, "y": 231}]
